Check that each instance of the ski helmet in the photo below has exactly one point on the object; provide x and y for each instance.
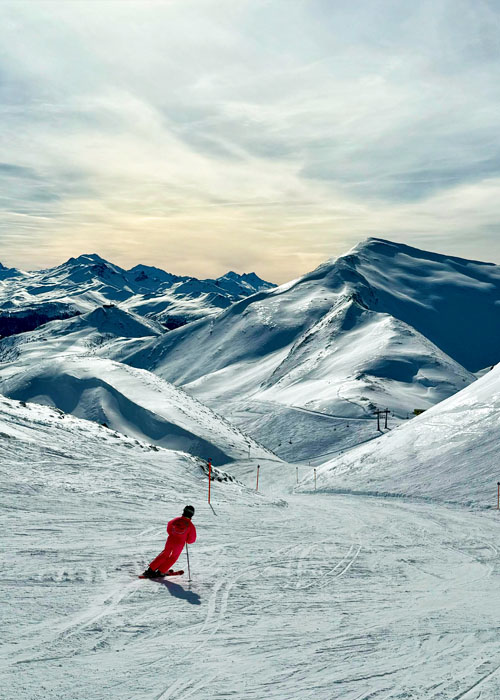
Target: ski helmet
(188, 512)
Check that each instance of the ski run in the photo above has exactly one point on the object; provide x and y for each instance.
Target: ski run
(366, 565)
(293, 595)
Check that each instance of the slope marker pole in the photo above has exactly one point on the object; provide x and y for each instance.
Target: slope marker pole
(315, 478)
(209, 484)
(258, 469)
(297, 469)
(498, 495)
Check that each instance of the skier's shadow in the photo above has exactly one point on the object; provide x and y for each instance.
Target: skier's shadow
(180, 592)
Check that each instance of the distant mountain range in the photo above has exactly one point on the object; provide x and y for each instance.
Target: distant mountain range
(30, 299)
(301, 367)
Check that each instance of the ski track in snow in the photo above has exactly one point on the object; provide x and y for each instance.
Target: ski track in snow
(331, 597)
(335, 597)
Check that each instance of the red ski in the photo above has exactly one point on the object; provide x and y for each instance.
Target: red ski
(169, 573)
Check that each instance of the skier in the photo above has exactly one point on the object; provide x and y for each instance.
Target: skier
(180, 530)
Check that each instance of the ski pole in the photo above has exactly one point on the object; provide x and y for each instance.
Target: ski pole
(189, 568)
(209, 478)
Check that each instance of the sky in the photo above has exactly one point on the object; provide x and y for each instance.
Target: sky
(259, 135)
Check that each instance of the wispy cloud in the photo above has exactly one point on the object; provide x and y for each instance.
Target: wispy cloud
(205, 134)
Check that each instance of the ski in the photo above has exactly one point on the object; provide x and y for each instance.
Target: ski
(169, 573)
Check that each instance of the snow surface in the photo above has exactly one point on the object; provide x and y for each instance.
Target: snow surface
(88, 334)
(134, 402)
(317, 596)
(449, 453)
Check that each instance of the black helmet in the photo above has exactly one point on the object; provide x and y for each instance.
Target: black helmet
(188, 512)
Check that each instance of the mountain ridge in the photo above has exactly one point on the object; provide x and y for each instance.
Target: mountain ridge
(441, 299)
(88, 281)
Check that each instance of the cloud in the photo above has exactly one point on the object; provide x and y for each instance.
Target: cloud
(206, 134)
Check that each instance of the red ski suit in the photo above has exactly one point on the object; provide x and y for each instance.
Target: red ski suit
(180, 530)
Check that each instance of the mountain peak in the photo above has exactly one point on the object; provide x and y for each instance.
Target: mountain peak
(9, 271)
(247, 278)
(389, 248)
(87, 258)
(150, 274)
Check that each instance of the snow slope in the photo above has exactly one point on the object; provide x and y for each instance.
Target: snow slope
(134, 402)
(449, 453)
(369, 359)
(86, 334)
(368, 328)
(181, 300)
(300, 435)
(325, 597)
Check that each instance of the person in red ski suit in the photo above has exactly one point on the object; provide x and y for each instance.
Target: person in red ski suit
(180, 530)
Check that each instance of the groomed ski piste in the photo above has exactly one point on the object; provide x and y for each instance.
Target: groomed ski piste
(293, 595)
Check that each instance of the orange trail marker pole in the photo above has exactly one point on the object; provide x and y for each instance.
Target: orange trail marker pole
(209, 477)
(498, 495)
(258, 468)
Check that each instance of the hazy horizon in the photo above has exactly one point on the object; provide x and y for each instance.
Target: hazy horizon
(187, 273)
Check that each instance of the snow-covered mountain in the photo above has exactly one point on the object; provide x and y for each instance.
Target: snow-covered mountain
(29, 299)
(85, 334)
(8, 272)
(134, 402)
(180, 300)
(384, 325)
(448, 453)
